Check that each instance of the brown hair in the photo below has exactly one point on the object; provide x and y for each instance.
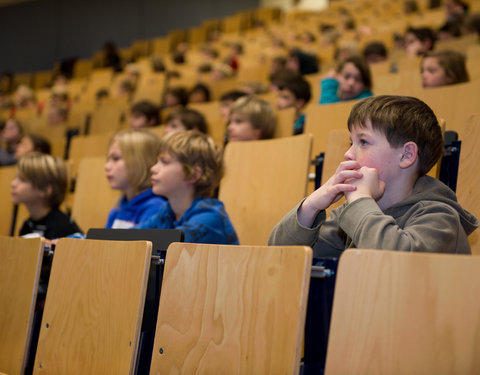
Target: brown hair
(258, 111)
(402, 119)
(195, 149)
(362, 66)
(42, 171)
(453, 63)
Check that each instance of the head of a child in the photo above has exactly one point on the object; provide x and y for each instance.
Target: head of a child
(176, 96)
(408, 125)
(11, 132)
(354, 76)
(131, 154)
(32, 143)
(294, 92)
(144, 114)
(375, 52)
(226, 101)
(251, 118)
(184, 119)
(419, 40)
(199, 93)
(57, 114)
(440, 68)
(189, 160)
(40, 178)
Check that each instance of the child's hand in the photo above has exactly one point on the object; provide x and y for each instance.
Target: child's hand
(330, 192)
(367, 186)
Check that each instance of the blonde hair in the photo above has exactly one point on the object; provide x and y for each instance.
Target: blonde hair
(195, 149)
(44, 171)
(258, 112)
(139, 151)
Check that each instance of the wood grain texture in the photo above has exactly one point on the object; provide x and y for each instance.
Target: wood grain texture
(7, 174)
(232, 310)
(468, 178)
(263, 180)
(405, 313)
(94, 307)
(20, 263)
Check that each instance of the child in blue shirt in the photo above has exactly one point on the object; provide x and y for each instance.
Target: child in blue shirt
(188, 170)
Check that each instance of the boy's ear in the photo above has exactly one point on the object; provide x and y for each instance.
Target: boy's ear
(409, 155)
(197, 173)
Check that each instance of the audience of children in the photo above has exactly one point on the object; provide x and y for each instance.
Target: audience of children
(183, 119)
(131, 154)
(188, 170)
(390, 202)
(295, 93)
(41, 185)
(251, 118)
(440, 68)
(351, 80)
(144, 114)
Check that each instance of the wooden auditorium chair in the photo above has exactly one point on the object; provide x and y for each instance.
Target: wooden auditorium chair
(94, 306)
(405, 313)
(232, 309)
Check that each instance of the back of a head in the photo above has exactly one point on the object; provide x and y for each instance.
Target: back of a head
(402, 119)
(308, 63)
(375, 51)
(232, 95)
(139, 151)
(259, 112)
(196, 150)
(43, 172)
(40, 144)
(453, 63)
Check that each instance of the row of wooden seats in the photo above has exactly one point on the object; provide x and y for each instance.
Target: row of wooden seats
(228, 315)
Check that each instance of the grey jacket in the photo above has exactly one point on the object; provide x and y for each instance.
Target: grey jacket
(428, 220)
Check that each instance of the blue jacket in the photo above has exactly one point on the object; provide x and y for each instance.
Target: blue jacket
(206, 221)
(329, 92)
(129, 213)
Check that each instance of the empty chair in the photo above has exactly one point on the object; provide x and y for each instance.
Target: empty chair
(20, 264)
(263, 180)
(232, 309)
(94, 305)
(405, 313)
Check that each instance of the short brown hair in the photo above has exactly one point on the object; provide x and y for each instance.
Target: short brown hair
(453, 63)
(259, 112)
(139, 151)
(195, 149)
(42, 171)
(190, 118)
(402, 119)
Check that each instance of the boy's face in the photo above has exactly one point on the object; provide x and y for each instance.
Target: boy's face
(241, 129)
(23, 192)
(286, 99)
(168, 177)
(350, 83)
(138, 120)
(371, 149)
(174, 125)
(24, 147)
(115, 169)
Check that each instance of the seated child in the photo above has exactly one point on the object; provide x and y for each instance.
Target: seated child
(419, 40)
(351, 80)
(131, 154)
(295, 92)
(175, 96)
(251, 118)
(200, 93)
(440, 68)
(41, 185)
(390, 202)
(226, 101)
(144, 114)
(32, 143)
(188, 170)
(185, 119)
